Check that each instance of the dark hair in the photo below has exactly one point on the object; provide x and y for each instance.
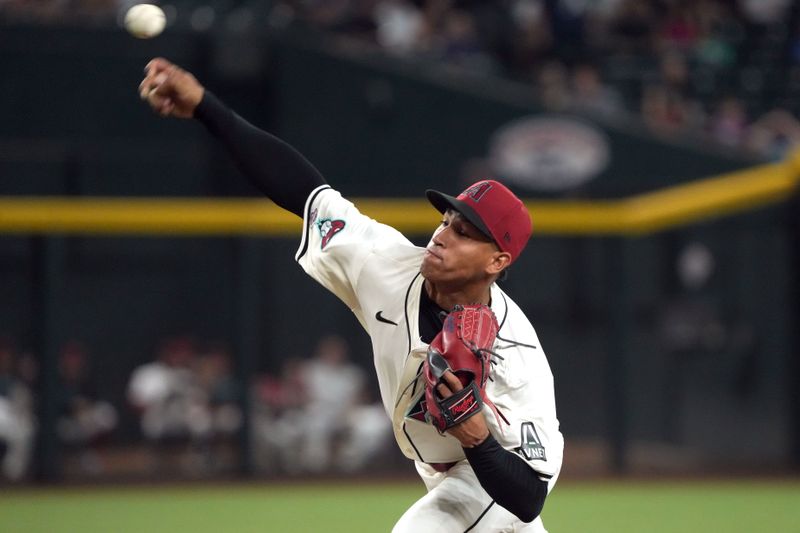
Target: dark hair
(503, 275)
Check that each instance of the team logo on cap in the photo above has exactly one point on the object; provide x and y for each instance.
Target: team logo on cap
(328, 228)
(478, 191)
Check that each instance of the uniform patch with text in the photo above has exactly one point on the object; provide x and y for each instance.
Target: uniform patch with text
(530, 444)
(328, 228)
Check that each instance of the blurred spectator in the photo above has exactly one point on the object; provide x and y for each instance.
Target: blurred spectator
(695, 327)
(765, 11)
(222, 391)
(399, 26)
(333, 385)
(458, 43)
(663, 112)
(84, 419)
(318, 415)
(552, 86)
(533, 38)
(286, 392)
(591, 95)
(366, 432)
(17, 421)
(633, 26)
(728, 124)
(279, 412)
(189, 398)
(774, 134)
(166, 395)
(719, 34)
(674, 73)
(668, 104)
(689, 326)
(680, 30)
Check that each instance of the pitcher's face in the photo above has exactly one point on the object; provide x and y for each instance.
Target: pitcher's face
(458, 252)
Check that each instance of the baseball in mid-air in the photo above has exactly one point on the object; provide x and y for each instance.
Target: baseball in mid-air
(145, 21)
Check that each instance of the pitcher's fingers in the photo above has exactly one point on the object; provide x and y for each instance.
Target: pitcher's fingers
(157, 71)
(155, 83)
(145, 87)
(150, 83)
(166, 108)
(163, 82)
(156, 65)
(156, 101)
(443, 390)
(453, 383)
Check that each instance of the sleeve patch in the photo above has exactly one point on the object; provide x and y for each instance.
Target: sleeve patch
(530, 444)
(328, 228)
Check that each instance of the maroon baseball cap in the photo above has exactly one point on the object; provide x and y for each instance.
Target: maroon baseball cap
(492, 208)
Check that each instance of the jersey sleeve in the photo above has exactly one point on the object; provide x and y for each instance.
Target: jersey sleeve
(527, 400)
(338, 241)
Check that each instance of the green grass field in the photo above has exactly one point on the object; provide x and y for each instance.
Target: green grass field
(586, 507)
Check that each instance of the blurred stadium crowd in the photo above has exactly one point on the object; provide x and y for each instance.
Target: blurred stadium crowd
(725, 70)
(315, 416)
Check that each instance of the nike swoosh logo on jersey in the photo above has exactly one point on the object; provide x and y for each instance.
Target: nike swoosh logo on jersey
(380, 318)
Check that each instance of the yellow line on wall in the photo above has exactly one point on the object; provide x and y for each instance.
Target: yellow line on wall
(152, 216)
(641, 214)
(712, 197)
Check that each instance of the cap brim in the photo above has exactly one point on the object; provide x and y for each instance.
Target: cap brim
(442, 202)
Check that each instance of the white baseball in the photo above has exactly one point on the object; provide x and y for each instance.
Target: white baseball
(145, 21)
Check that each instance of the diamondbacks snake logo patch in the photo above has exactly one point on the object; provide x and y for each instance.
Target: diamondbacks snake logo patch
(328, 228)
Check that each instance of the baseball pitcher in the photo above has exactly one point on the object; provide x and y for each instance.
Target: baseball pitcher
(460, 369)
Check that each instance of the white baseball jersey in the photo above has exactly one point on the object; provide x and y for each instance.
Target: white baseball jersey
(374, 269)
